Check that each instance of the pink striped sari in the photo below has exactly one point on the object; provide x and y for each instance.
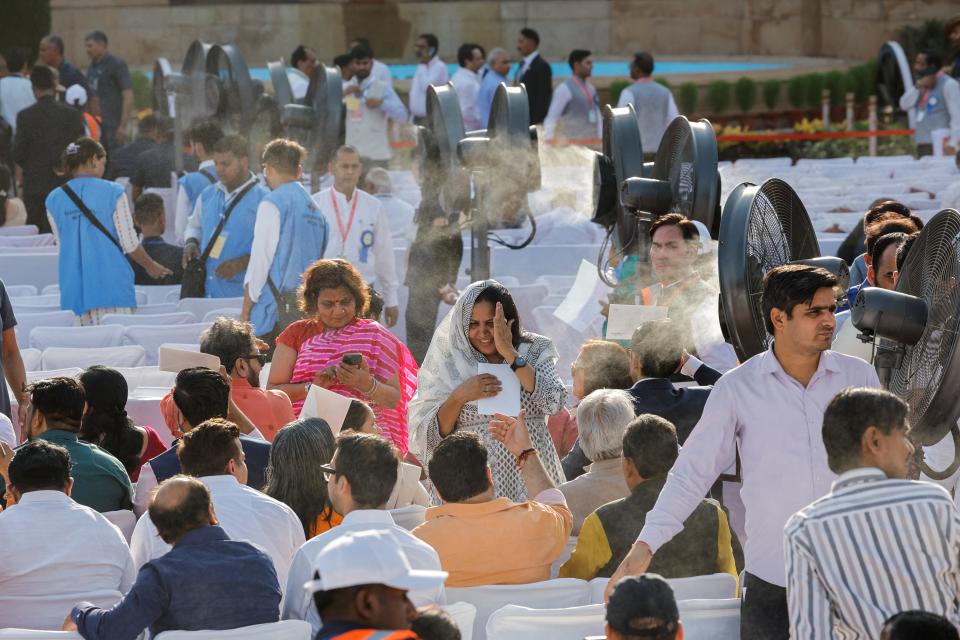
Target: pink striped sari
(385, 355)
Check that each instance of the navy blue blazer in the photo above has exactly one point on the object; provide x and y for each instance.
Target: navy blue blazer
(167, 464)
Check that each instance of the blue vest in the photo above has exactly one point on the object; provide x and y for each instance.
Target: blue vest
(302, 241)
(195, 182)
(257, 452)
(94, 273)
(237, 235)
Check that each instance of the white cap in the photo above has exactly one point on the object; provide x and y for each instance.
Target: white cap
(76, 95)
(369, 557)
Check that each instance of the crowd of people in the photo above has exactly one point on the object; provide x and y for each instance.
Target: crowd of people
(793, 471)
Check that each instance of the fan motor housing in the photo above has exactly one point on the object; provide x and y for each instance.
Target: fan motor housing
(889, 314)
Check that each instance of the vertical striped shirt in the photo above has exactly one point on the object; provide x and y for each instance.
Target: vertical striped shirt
(871, 548)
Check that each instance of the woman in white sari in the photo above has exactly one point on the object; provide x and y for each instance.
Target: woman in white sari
(484, 326)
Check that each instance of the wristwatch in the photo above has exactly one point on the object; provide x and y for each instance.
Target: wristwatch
(518, 363)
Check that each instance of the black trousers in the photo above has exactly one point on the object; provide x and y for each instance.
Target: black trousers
(36, 205)
(763, 610)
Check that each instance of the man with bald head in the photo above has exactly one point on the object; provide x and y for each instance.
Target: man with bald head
(206, 581)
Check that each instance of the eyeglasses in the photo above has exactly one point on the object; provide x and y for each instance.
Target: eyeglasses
(328, 472)
(259, 357)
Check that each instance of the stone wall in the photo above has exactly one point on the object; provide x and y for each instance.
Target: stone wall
(142, 30)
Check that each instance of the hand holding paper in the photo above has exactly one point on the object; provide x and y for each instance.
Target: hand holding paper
(507, 401)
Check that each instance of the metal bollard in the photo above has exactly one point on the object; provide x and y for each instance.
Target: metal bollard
(872, 124)
(825, 108)
(849, 111)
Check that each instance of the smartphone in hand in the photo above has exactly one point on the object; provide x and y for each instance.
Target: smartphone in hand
(352, 359)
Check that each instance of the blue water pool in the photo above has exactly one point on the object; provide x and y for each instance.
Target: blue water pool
(601, 68)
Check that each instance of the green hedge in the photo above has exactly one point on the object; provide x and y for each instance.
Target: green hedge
(771, 93)
(746, 93)
(142, 90)
(797, 91)
(688, 94)
(719, 94)
(815, 86)
(837, 84)
(616, 88)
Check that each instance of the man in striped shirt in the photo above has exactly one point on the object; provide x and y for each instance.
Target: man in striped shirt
(877, 544)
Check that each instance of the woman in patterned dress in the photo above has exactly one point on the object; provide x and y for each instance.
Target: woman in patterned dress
(484, 326)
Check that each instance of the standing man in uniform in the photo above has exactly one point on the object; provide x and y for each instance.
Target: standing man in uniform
(290, 234)
(239, 194)
(359, 231)
(467, 83)
(936, 101)
(112, 98)
(431, 71)
(369, 103)
(770, 409)
(575, 106)
(652, 101)
(203, 137)
(535, 74)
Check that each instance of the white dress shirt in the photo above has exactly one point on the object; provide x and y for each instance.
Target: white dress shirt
(299, 83)
(185, 208)
(558, 102)
(57, 553)
(399, 214)
(298, 602)
(527, 61)
(432, 73)
(871, 548)
(245, 514)
(467, 84)
(16, 94)
(951, 96)
(380, 267)
(775, 423)
(381, 72)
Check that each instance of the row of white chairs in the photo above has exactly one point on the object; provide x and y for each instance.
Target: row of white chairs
(111, 336)
(282, 630)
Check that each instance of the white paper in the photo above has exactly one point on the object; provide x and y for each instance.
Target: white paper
(507, 401)
(176, 360)
(582, 304)
(326, 404)
(624, 319)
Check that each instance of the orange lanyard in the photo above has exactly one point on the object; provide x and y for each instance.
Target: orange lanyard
(583, 90)
(353, 211)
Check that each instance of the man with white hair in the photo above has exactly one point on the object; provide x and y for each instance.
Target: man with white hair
(601, 417)
(498, 61)
(399, 213)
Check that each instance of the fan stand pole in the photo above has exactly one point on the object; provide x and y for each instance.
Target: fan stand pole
(479, 235)
(177, 135)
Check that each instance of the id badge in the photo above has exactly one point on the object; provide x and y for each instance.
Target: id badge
(218, 245)
(353, 107)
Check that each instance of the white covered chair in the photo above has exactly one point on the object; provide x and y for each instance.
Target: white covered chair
(150, 337)
(202, 306)
(157, 293)
(124, 520)
(34, 634)
(31, 358)
(513, 622)
(20, 230)
(147, 377)
(132, 319)
(283, 630)
(27, 321)
(562, 592)
(50, 289)
(228, 312)
(157, 309)
(99, 336)
(408, 517)
(68, 372)
(710, 619)
(20, 290)
(38, 267)
(36, 240)
(463, 613)
(714, 586)
(43, 299)
(125, 356)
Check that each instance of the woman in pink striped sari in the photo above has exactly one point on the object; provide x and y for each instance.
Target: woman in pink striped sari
(311, 351)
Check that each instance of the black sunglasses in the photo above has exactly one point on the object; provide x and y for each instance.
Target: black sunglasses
(259, 357)
(328, 471)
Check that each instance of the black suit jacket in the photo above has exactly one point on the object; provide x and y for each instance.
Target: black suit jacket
(44, 130)
(257, 453)
(538, 79)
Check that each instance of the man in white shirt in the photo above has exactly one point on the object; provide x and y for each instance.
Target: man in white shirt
(935, 99)
(431, 71)
(360, 477)
(380, 70)
(575, 106)
(16, 92)
(55, 551)
(212, 453)
(467, 83)
(877, 544)
(203, 137)
(303, 61)
(399, 212)
(770, 409)
(369, 103)
(652, 101)
(359, 231)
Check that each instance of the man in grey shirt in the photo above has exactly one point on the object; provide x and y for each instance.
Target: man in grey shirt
(653, 102)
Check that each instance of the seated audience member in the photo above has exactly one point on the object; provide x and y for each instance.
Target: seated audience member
(148, 215)
(602, 417)
(909, 531)
(359, 480)
(206, 581)
(212, 453)
(54, 414)
(885, 223)
(294, 476)
(918, 625)
(399, 212)
(55, 550)
(233, 342)
(853, 248)
(123, 158)
(643, 607)
(703, 547)
(435, 624)
(105, 422)
(470, 528)
(12, 210)
(408, 490)
(200, 395)
(154, 168)
(601, 364)
(361, 584)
